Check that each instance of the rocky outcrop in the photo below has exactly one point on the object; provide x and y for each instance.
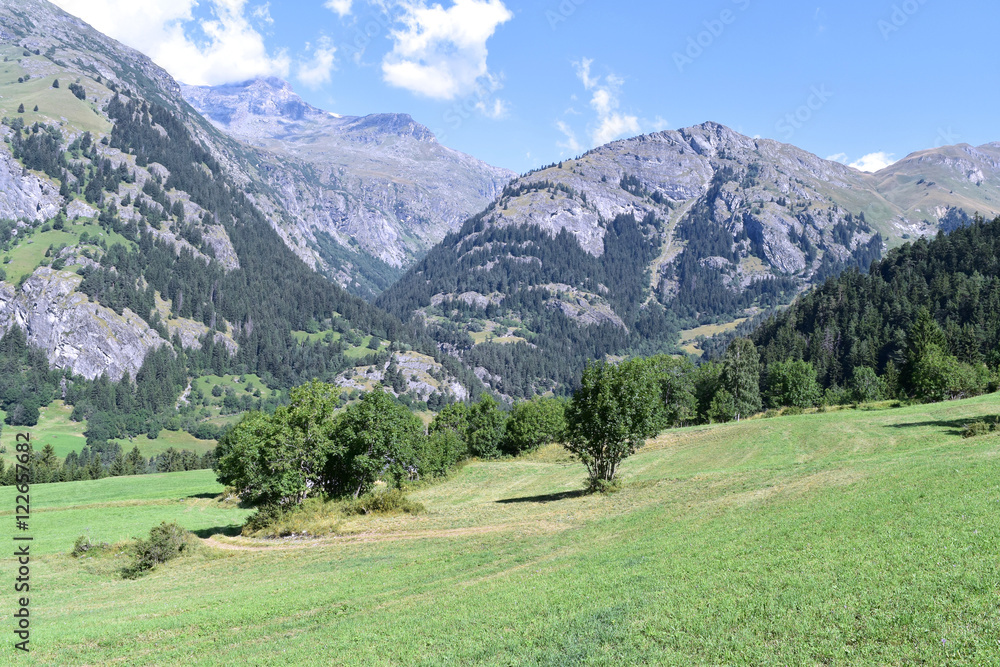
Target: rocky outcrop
(422, 374)
(77, 334)
(24, 195)
(380, 184)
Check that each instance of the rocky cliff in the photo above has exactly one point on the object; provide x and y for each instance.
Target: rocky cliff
(380, 185)
(76, 333)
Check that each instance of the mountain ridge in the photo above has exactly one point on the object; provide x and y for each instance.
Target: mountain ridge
(379, 185)
(717, 225)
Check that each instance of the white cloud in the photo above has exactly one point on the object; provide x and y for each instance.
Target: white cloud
(441, 53)
(614, 126)
(231, 49)
(342, 7)
(263, 13)
(838, 157)
(606, 99)
(571, 144)
(496, 109)
(318, 70)
(583, 72)
(874, 162)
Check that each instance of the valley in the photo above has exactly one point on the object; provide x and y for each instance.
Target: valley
(308, 386)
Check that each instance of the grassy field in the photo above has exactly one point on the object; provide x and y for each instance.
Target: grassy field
(55, 428)
(57, 105)
(29, 252)
(849, 537)
(205, 383)
(688, 338)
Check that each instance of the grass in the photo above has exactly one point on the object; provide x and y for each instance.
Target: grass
(29, 252)
(115, 509)
(165, 440)
(848, 537)
(57, 105)
(54, 427)
(302, 336)
(361, 351)
(689, 337)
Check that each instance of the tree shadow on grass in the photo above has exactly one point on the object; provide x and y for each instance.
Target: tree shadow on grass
(205, 496)
(955, 426)
(232, 530)
(547, 498)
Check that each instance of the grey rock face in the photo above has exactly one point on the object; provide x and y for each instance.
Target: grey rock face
(380, 184)
(77, 334)
(23, 194)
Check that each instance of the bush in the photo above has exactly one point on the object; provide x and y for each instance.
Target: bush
(439, 452)
(83, 545)
(976, 429)
(265, 516)
(166, 542)
(792, 410)
(391, 501)
(605, 487)
(534, 423)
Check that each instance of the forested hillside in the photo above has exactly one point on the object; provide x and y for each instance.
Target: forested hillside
(943, 291)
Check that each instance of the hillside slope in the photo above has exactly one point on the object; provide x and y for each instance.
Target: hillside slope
(139, 222)
(854, 536)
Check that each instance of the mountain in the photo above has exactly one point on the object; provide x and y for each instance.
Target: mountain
(617, 250)
(131, 230)
(369, 195)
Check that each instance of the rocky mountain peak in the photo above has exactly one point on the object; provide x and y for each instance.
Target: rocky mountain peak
(241, 105)
(378, 186)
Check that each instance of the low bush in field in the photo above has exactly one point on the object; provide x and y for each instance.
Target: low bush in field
(84, 545)
(978, 428)
(317, 516)
(166, 542)
(392, 501)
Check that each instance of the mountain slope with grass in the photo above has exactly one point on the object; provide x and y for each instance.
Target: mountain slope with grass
(143, 253)
(847, 536)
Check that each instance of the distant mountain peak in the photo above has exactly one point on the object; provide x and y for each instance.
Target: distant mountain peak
(239, 103)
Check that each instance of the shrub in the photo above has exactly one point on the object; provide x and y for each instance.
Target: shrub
(83, 545)
(606, 487)
(534, 423)
(391, 501)
(978, 428)
(266, 515)
(166, 542)
(792, 410)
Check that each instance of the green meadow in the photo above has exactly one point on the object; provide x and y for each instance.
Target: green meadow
(844, 537)
(57, 429)
(57, 105)
(28, 253)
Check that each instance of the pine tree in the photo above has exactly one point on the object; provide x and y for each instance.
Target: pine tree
(741, 377)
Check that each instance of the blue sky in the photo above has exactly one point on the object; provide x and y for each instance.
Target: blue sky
(522, 84)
